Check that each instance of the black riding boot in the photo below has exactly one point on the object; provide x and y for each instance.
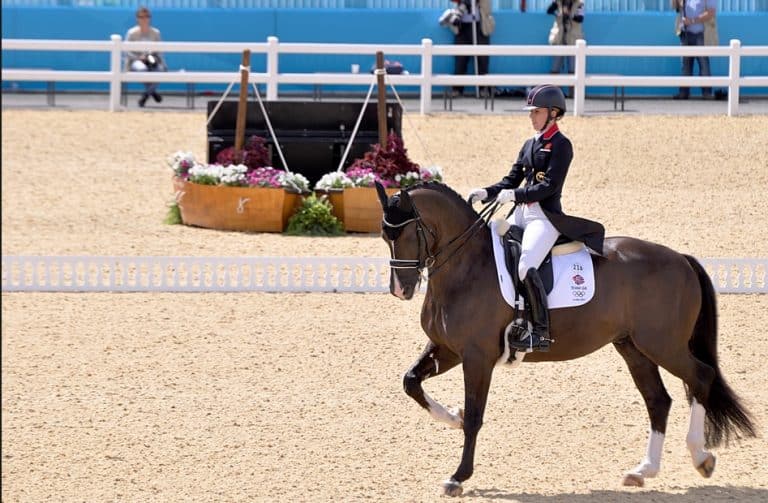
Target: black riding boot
(538, 339)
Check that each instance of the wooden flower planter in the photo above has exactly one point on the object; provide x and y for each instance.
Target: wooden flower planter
(252, 209)
(362, 209)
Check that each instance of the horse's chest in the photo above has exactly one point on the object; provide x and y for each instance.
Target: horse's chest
(442, 323)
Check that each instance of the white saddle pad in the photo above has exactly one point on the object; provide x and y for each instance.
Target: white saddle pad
(573, 274)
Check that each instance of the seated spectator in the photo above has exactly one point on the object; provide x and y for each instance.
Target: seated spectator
(138, 61)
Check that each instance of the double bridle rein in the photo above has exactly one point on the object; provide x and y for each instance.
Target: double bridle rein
(429, 258)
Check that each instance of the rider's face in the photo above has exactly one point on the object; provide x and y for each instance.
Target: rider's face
(538, 118)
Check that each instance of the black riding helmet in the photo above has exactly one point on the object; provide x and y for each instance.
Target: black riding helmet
(546, 96)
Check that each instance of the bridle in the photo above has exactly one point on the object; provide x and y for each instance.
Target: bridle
(429, 258)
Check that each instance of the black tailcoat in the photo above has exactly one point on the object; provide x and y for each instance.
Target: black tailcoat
(543, 163)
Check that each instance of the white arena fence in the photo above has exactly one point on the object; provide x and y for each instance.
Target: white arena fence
(264, 274)
(272, 78)
(497, 5)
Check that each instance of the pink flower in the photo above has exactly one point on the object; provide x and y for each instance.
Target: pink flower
(265, 177)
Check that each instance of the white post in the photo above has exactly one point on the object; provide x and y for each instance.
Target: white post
(579, 90)
(475, 20)
(115, 68)
(426, 76)
(273, 52)
(734, 74)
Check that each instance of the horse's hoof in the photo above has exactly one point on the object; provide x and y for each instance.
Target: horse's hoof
(452, 488)
(707, 466)
(633, 480)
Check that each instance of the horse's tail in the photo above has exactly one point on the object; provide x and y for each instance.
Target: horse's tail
(726, 417)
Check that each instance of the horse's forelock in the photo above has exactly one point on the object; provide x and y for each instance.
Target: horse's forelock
(395, 214)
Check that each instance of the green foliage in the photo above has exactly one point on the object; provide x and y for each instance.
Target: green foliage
(174, 215)
(314, 218)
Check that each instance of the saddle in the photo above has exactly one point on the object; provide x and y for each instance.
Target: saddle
(513, 238)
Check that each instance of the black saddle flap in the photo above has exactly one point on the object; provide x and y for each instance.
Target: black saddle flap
(512, 251)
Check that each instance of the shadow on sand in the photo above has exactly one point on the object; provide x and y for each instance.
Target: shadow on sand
(709, 494)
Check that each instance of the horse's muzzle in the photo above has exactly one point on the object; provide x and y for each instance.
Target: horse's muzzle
(403, 290)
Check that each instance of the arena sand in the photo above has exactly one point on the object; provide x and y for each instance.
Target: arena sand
(298, 397)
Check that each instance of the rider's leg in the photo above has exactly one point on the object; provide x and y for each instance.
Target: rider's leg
(538, 338)
(539, 237)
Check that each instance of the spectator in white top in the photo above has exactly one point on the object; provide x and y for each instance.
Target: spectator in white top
(139, 61)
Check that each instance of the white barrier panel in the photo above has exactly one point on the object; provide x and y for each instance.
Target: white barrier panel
(263, 274)
(193, 274)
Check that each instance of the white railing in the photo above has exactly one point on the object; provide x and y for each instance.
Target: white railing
(115, 76)
(497, 5)
(264, 274)
(193, 274)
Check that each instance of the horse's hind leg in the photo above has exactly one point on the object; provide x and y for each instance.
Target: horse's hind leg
(703, 460)
(434, 360)
(698, 378)
(645, 373)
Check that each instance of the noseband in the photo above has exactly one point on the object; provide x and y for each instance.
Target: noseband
(419, 264)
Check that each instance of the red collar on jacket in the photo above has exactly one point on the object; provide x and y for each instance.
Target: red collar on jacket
(550, 132)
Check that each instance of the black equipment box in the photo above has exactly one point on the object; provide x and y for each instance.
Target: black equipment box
(312, 134)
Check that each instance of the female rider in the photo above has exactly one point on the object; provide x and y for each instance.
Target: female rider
(543, 163)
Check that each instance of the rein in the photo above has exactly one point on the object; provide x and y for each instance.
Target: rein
(430, 259)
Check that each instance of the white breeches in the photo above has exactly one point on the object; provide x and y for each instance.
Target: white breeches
(539, 236)
(139, 66)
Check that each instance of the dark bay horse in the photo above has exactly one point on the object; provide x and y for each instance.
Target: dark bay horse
(656, 306)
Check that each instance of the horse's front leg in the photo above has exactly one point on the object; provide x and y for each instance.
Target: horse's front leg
(434, 360)
(477, 381)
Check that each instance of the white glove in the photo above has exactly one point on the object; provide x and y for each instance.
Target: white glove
(506, 196)
(477, 195)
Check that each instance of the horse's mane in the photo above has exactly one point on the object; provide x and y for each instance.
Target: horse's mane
(444, 189)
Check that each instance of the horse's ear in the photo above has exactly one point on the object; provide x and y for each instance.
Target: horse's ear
(383, 197)
(406, 203)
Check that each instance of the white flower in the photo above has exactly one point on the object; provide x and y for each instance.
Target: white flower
(334, 180)
(366, 180)
(180, 160)
(295, 181)
(233, 174)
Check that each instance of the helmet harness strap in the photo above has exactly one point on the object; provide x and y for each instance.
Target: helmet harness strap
(550, 119)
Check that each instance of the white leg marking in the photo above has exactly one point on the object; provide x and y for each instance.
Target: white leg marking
(651, 463)
(695, 437)
(439, 413)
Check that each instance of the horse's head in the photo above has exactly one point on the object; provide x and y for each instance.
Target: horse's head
(415, 222)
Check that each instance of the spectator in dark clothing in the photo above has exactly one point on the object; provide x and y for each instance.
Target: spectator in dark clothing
(470, 28)
(566, 30)
(692, 16)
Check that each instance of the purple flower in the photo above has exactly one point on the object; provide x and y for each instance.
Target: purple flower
(265, 177)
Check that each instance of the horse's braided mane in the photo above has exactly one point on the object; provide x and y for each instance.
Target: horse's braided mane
(449, 192)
